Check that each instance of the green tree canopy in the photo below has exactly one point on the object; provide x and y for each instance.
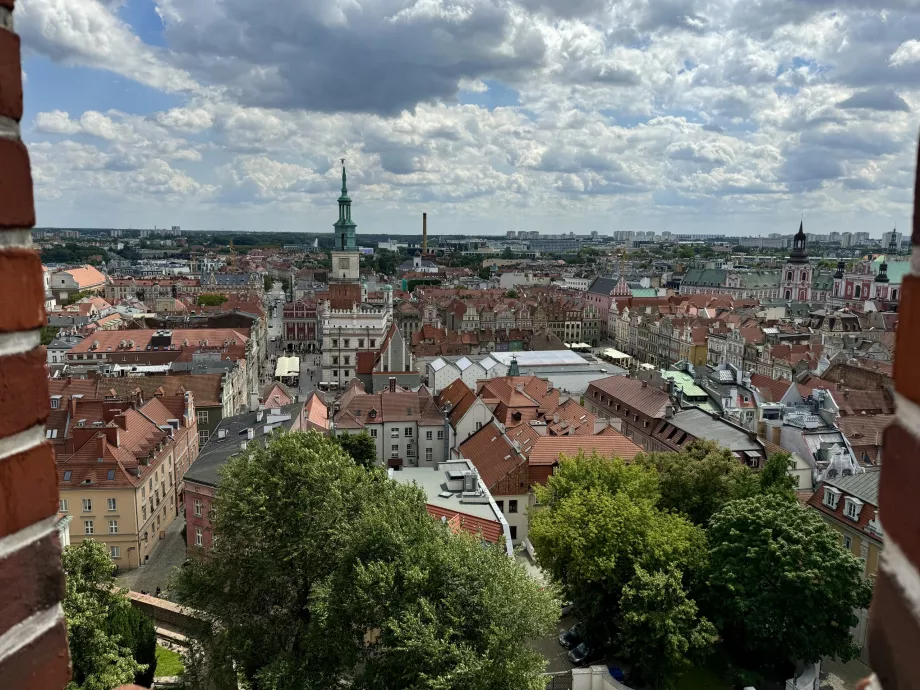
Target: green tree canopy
(598, 524)
(100, 659)
(326, 574)
(782, 587)
(213, 299)
(700, 480)
(360, 447)
(661, 629)
(775, 478)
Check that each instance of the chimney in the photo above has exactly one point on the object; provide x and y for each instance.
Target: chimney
(424, 233)
(645, 384)
(250, 433)
(120, 420)
(392, 384)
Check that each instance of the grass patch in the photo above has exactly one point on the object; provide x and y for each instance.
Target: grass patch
(169, 663)
(702, 679)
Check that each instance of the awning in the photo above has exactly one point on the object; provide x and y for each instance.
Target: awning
(287, 366)
(611, 353)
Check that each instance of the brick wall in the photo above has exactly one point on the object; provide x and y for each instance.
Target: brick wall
(33, 643)
(894, 634)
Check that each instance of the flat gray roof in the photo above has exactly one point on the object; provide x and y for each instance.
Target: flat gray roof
(434, 482)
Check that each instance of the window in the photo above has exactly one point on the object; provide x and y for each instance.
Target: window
(407, 432)
(199, 537)
(512, 506)
(394, 432)
(410, 451)
(347, 359)
(513, 530)
(501, 506)
(62, 505)
(87, 505)
(197, 508)
(55, 401)
(478, 426)
(428, 435)
(347, 373)
(429, 454)
(394, 451)
(110, 503)
(347, 341)
(335, 360)
(440, 434)
(203, 436)
(373, 433)
(373, 343)
(847, 541)
(144, 513)
(113, 526)
(87, 527)
(67, 474)
(335, 342)
(335, 372)
(110, 475)
(115, 551)
(202, 416)
(360, 342)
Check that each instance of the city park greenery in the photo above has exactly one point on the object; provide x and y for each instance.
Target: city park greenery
(325, 573)
(211, 299)
(679, 555)
(111, 642)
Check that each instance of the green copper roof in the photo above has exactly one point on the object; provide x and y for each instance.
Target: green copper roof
(896, 269)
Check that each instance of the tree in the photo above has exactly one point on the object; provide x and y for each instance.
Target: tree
(360, 447)
(49, 333)
(781, 585)
(700, 480)
(100, 659)
(267, 283)
(485, 273)
(511, 294)
(775, 478)
(507, 253)
(327, 573)
(599, 522)
(661, 629)
(211, 299)
(136, 632)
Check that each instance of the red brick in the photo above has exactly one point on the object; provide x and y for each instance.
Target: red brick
(17, 208)
(10, 76)
(23, 391)
(21, 275)
(915, 238)
(28, 489)
(45, 663)
(906, 372)
(894, 638)
(898, 486)
(32, 580)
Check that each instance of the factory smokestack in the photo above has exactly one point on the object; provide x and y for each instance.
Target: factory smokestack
(424, 233)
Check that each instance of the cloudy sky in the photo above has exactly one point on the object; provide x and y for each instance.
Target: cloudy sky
(736, 116)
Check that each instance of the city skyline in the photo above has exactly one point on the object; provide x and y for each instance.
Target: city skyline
(516, 115)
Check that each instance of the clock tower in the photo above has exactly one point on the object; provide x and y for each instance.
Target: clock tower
(344, 275)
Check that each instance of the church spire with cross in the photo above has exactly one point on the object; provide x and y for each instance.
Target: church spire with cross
(345, 226)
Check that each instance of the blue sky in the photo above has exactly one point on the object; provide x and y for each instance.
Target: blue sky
(491, 115)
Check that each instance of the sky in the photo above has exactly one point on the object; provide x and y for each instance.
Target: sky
(727, 116)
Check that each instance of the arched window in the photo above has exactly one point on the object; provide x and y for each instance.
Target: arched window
(894, 293)
(836, 289)
(788, 294)
(804, 275)
(789, 275)
(858, 290)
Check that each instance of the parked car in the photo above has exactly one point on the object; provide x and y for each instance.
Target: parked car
(565, 610)
(583, 654)
(573, 636)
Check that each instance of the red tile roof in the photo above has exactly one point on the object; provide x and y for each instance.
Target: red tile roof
(547, 449)
(492, 453)
(489, 530)
(632, 393)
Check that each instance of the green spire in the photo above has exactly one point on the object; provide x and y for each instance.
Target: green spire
(345, 226)
(513, 370)
(344, 188)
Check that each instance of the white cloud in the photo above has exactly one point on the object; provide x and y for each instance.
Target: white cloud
(655, 114)
(907, 52)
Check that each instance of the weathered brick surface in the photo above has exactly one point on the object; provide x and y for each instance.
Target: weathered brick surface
(906, 371)
(898, 488)
(21, 280)
(23, 391)
(29, 585)
(42, 665)
(10, 76)
(17, 209)
(28, 489)
(894, 638)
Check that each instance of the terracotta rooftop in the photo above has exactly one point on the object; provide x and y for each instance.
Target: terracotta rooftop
(547, 449)
(632, 393)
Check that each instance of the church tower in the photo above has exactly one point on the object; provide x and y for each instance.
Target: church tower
(795, 283)
(344, 275)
